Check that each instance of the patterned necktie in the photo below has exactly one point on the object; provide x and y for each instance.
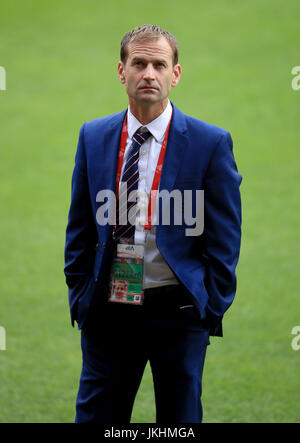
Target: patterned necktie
(129, 182)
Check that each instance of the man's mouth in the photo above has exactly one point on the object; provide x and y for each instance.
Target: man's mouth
(148, 88)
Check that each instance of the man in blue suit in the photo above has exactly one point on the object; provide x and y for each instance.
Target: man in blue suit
(182, 283)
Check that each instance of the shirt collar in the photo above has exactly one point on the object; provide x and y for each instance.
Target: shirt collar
(157, 127)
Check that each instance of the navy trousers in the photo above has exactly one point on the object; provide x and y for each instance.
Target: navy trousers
(118, 341)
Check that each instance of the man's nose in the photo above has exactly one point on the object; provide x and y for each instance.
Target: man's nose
(149, 72)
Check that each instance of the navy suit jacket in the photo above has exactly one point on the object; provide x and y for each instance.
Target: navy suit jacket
(198, 156)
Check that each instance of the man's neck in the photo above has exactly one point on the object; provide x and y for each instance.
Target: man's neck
(145, 113)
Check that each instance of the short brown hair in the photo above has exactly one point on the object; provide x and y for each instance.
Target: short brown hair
(148, 32)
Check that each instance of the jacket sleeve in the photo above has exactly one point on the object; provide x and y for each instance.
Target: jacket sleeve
(222, 229)
(81, 232)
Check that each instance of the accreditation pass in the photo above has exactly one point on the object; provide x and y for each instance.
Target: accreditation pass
(126, 283)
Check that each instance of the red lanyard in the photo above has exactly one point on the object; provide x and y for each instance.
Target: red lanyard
(158, 170)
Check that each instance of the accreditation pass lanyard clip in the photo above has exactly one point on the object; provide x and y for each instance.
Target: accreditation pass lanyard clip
(157, 173)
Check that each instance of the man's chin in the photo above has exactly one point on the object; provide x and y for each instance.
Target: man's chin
(148, 97)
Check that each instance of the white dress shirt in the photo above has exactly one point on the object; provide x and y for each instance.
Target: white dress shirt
(156, 270)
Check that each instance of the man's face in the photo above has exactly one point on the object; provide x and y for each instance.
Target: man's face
(149, 72)
(119, 289)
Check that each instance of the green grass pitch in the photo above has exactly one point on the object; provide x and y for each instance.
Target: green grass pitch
(60, 59)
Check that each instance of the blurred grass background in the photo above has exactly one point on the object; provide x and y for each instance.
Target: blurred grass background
(60, 59)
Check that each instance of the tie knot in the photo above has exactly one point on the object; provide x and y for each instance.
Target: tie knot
(141, 135)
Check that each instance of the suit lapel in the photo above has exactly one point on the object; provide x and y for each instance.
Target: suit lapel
(177, 143)
(104, 162)
(111, 149)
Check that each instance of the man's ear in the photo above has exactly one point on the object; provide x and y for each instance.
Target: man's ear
(121, 72)
(176, 75)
